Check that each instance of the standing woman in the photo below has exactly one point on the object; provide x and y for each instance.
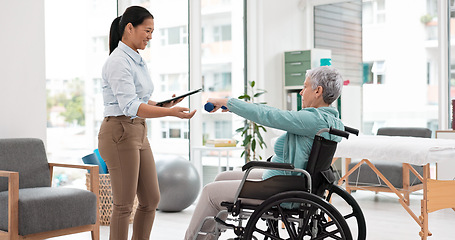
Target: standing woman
(122, 140)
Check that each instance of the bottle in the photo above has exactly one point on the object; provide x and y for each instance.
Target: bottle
(326, 62)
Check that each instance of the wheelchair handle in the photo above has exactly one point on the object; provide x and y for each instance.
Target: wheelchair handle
(339, 132)
(351, 130)
(333, 131)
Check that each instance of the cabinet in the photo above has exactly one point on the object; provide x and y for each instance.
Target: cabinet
(296, 63)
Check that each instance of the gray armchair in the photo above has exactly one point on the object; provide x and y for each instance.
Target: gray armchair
(398, 174)
(30, 208)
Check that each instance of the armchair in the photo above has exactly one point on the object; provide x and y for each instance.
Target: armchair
(364, 178)
(30, 208)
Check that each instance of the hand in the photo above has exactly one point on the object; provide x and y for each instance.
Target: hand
(218, 103)
(182, 112)
(173, 103)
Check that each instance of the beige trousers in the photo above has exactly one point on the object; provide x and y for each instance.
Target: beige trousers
(123, 145)
(222, 189)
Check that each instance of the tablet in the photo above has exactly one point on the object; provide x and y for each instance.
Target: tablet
(181, 96)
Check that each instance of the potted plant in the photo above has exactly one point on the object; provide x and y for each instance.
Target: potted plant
(251, 132)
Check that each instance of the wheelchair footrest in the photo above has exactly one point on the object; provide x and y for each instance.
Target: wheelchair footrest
(238, 230)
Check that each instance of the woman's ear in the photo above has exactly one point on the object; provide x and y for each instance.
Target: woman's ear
(319, 90)
(129, 28)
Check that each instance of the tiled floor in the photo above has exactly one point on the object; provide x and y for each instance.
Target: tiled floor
(386, 219)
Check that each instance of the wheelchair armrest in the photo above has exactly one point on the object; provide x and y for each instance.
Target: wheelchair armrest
(267, 165)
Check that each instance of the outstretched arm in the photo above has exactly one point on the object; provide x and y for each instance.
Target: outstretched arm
(153, 111)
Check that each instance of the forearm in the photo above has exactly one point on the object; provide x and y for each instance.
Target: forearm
(254, 112)
(153, 111)
(290, 121)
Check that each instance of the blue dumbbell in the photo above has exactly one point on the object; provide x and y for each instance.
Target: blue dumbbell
(209, 107)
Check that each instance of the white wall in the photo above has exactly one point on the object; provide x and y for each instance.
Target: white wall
(273, 28)
(22, 68)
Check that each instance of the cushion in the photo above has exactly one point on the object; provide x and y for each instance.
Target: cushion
(28, 157)
(50, 208)
(405, 132)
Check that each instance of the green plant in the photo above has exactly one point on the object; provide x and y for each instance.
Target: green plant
(251, 132)
(425, 19)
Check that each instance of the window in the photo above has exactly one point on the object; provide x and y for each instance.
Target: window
(174, 129)
(222, 33)
(390, 69)
(374, 11)
(73, 74)
(167, 60)
(174, 82)
(378, 72)
(220, 22)
(221, 82)
(76, 84)
(174, 35)
(395, 89)
(223, 129)
(100, 44)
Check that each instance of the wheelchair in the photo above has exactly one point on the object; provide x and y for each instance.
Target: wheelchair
(295, 206)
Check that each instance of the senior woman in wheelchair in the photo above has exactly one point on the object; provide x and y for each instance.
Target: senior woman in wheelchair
(321, 88)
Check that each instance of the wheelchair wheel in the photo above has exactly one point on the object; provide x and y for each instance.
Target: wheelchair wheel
(310, 217)
(352, 213)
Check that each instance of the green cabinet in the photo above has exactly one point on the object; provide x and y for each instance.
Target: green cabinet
(296, 64)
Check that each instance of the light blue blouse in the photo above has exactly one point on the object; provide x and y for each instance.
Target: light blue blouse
(126, 82)
(300, 126)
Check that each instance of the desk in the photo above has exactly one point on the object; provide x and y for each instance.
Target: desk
(197, 160)
(437, 194)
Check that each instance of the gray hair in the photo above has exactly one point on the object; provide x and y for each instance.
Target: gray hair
(329, 79)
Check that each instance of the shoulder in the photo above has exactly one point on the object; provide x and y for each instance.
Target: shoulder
(324, 111)
(118, 57)
(117, 61)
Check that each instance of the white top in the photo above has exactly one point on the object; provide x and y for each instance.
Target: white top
(413, 150)
(126, 82)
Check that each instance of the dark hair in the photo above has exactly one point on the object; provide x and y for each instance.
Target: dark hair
(134, 15)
